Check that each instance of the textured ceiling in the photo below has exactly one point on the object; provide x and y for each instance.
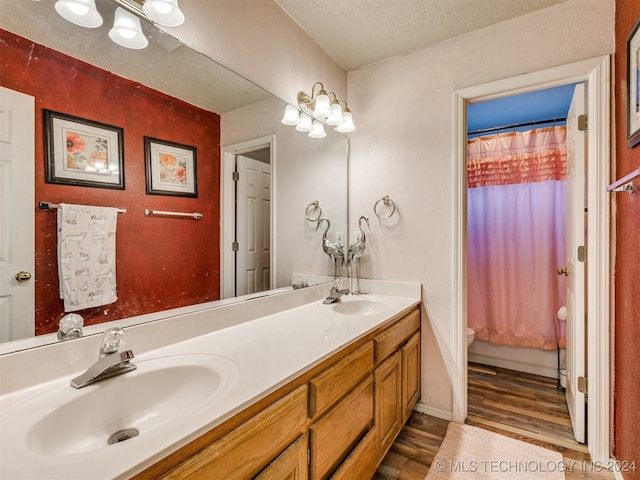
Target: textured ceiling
(359, 32)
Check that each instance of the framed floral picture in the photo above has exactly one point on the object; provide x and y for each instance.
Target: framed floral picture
(82, 152)
(633, 86)
(171, 168)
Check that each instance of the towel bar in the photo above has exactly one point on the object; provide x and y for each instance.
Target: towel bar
(625, 184)
(51, 206)
(195, 215)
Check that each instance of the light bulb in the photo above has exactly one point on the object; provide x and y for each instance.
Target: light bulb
(127, 31)
(164, 12)
(317, 130)
(305, 123)
(346, 126)
(323, 107)
(291, 115)
(336, 117)
(80, 12)
(78, 8)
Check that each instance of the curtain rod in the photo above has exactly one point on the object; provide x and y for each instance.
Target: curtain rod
(526, 124)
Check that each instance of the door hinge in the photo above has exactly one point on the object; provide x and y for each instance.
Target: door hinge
(308, 456)
(236, 176)
(582, 385)
(235, 246)
(583, 121)
(582, 253)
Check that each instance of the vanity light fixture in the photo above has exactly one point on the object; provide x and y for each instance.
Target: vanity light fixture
(81, 12)
(126, 30)
(317, 110)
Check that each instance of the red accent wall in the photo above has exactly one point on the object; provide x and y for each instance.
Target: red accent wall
(627, 266)
(162, 262)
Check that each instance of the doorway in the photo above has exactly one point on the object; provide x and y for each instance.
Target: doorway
(518, 221)
(17, 220)
(247, 263)
(595, 74)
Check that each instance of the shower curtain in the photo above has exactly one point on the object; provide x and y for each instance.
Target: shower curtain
(516, 237)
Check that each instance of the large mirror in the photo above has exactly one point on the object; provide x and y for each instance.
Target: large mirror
(167, 263)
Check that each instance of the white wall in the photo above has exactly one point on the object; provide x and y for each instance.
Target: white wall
(403, 147)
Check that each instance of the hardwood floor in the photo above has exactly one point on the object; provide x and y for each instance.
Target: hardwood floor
(519, 405)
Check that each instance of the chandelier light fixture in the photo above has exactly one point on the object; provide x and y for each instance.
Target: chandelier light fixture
(127, 30)
(317, 110)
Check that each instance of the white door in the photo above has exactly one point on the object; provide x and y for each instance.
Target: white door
(17, 252)
(253, 225)
(576, 237)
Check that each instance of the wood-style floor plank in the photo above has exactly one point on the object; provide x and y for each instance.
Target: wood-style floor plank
(519, 405)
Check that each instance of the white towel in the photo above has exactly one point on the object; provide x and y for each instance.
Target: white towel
(86, 256)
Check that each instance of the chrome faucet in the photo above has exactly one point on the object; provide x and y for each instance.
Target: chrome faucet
(335, 295)
(111, 361)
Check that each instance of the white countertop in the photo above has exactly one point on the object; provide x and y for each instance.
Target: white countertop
(268, 352)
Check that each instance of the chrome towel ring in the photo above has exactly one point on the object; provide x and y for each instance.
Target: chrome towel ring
(388, 203)
(311, 208)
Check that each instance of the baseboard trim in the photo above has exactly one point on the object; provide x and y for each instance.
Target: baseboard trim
(516, 365)
(433, 411)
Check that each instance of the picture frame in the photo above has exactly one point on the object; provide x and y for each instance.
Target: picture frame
(171, 168)
(633, 86)
(82, 152)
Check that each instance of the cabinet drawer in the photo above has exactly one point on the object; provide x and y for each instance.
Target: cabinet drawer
(335, 434)
(363, 460)
(332, 384)
(393, 337)
(291, 464)
(243, 452)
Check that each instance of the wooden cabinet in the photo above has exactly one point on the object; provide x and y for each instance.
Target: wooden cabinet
(410, 374)
(335, 434)
(243, 452)
(396, 335)
(388, 400)
(336, 420)
(291, 464)
(333, 383)
(397, 376)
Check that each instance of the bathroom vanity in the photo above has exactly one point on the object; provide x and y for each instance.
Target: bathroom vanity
(309, 391)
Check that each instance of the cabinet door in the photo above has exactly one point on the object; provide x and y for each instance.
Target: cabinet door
(291, 464)
(410, 375)
(388, 400)
(336, 433)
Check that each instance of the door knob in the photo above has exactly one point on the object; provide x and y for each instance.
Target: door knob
(562, 271)
(23, 276)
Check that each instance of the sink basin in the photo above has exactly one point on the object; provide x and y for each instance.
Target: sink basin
(130, 407)
(360, 306)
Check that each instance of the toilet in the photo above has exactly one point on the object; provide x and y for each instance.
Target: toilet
(470, 336)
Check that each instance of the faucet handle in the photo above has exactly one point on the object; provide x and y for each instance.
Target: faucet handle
(113, 340)
(70, 326)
